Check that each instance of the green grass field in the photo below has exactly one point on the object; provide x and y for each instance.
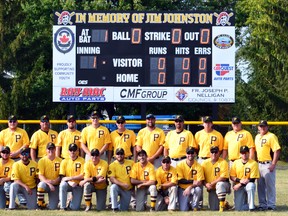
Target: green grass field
(282, 201)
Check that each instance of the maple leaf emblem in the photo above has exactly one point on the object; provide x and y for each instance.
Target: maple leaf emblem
(64, 39)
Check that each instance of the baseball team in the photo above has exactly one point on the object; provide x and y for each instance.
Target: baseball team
(173, 169)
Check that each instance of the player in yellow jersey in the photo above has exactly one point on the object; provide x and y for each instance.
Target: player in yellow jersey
(265, 143)
(143, 177)
(151, 139)
(48, 174)
(5, 176)
(95, 136)
(166, 177)
(95, 180)
(236, 138)
(71, 173)
(177, 141)
(24, 174)
(119, 175)
(123, 138)
(206, 138)
(41, 137)
(68, 136)
(216, 179)
(244, 173)
(14, 137)
(190, 181)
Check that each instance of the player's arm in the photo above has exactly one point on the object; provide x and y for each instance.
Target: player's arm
(33, 154)
(252, 153)
(5, 179)
(110, 153)
(136, 181)
(58, 151)
(85, 149)
(104, 148)
(117, 182)
(18, 181)
(224, 154)
(275, 160)
(158, 152)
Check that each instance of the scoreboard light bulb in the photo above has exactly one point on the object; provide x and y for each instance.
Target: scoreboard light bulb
(103, 62)
(103, 77)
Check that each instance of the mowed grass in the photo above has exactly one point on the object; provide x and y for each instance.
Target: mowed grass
(282, 201)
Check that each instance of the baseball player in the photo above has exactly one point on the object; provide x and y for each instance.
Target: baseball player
(14, 137)
(177, 141)
(206, 138)
(151, 139)
(243, 173)
(48, 174)
(190, 178)
(216, 179)
(95, 181)
(166, 177)
(5, 176)
(143, 177)
(24, 174)
(41, 137)
(123, 138)
(119, 175)
(95, 136)
(71, 173)
(266, 142)
(65, 137)
(236, 138)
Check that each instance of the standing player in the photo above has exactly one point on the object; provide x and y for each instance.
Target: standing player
(266, 142)
(166, 177)
(243, 173)
(177, 141)
(14, 137)
(24, 174)
(48, 174)
(118, 174)
(123, 138)
(5, 176)
(236, 138)
(71, 172)
(95, 136)
(95, 181)
(143, 177)
(41, 137)
(190, 178)
(151, 139)
(216, 179)
(65, 137)
(206, 138)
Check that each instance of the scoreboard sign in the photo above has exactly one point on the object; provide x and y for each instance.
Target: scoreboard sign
(113, 56)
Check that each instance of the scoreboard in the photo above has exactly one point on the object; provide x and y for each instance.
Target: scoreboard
(112, 56)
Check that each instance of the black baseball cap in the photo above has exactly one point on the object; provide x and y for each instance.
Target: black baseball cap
(236, 120)
(12, 117)
(244, 149)
(119, 151)
(190, 150)
(5, 149)
(95, 114)
(95, 152)
(120, 119)
(166, 159)
(73, 147)
(142, 152)
(214, 149)
(50, 145)
(179, 118)
(71, 118)
(207, 119)
(263, 123)
(44, 118)
(150, 116)
(25, 150)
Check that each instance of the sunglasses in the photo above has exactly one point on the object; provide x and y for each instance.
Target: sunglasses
(119, 153)
(120, 122)
(190, 153)
(214, 152)
(177, 121)
(45, 121)
(72, 150)
(5, 152)
(94, 155)
(165, 162)
(25, 154)
(12, 121)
